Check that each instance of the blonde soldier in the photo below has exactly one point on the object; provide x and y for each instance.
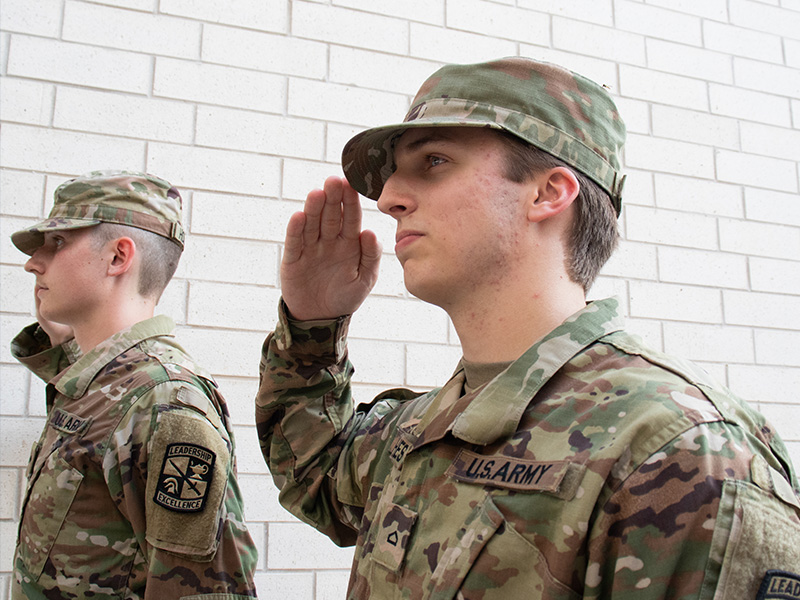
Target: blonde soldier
(564, 459)
(132, 488)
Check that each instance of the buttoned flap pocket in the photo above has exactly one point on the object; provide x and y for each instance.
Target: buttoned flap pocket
(394, 527)
(755, 546)
(49, 500)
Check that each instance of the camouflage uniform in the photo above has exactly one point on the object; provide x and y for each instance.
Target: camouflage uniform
(99, 519)
(592, 467)
(132, 489)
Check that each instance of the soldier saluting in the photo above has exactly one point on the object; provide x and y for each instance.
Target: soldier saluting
(132, 487)
(564, 459)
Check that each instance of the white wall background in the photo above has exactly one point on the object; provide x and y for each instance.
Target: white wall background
(246, 104)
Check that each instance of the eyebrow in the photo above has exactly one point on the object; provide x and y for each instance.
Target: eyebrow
(436, 136)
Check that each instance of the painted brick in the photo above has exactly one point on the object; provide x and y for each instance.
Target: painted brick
(297, 586)
(228, 306)
(658, 226)
(297, 546)
(254, 132)
(16, 289)
(173, 300)
(785, 417)
(759, 239)
(796, 113)
(144, 5)
(338, 134)
(489, 18)
(762, 310)
(302, 176)
(741, 41)
(8, 251)
(712, 9)
(51, 60)
(698, 195)
(777, 347)
(344, 26)
(597, 41)
(377, 362)
(657, 22)
(390, 278)
(688, 61)
(780, 276)
(594, 11)
(126, 116)
(633, 261)
(638, 189)
(22, 193)
(251, 14)
(215, 170)
(636, 115)
(399, 320)
(56, 151)
(9, 493)
(41, 18)
(671, 156)
(422, 11)
(264, 51)
(749, 169)
(229, 260)
(332, 585)
(8, 533)
(431, 365)
(128, 30)
(715, 343)
(762, 76)
(717, 269)
(771, 141)
(385, 72)
(19, 435)
(242, 348)
(15, 390)
(241, 216)
(672, 302)
(446, 45)
(792, 53)
(27, 101)
(765, 205)
(239, 394)
(749, 105)
(756, 15)
(36, 404)
(214, 84)
(665, 88)
(248, 453)
(693, 126)
(328, 101)
(261, 498)
(767, 385)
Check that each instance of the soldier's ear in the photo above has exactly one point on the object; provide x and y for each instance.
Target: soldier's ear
(552, 192)
(121, 255)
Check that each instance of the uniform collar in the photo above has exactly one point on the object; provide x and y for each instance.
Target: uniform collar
(74, 381)
(494, 412)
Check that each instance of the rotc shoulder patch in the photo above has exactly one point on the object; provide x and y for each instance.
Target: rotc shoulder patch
(185, 478)
(781, 585)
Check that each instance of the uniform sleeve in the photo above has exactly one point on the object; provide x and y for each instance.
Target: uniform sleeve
(171, 472)
(32, 348)
(711, 512)
(319, 448)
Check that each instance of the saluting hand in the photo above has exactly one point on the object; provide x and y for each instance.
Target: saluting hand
(57, 332)
(329, 265)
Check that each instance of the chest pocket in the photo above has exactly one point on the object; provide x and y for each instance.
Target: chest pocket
(47, 504)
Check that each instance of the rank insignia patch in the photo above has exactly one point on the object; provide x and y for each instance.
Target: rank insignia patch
(185, 478)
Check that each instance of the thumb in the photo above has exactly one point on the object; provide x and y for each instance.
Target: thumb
(370, 255)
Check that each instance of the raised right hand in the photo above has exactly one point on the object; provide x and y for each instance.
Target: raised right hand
(57, 332)
(329, 265)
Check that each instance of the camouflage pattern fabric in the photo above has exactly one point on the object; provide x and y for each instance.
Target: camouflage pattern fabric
(592, 467)
(132, 489)
(122, 197)
(556, 110)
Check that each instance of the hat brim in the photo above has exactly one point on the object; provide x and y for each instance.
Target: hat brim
(29, 239)
(368, 158)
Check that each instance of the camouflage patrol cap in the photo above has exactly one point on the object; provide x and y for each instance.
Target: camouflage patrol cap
(556, 110)
(122, 197)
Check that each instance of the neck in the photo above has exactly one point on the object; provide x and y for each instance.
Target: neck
(117, 317)
(502, 326)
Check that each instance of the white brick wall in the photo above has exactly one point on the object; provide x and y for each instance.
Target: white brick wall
(246, 105)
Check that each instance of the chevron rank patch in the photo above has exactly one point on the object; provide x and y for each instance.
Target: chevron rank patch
(185, 478)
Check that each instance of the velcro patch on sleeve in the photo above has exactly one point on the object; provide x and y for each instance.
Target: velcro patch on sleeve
(779, 585)
(185, 478)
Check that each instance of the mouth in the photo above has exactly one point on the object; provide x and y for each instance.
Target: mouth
(405, 238)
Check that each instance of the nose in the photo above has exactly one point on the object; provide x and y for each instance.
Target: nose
(34, 264)
(395, 199)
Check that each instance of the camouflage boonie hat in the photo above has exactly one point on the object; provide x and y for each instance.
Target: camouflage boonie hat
(122, 197)
(556, 110)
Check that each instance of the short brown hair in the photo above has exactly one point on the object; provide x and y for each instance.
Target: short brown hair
(159, 256)
(594, 235)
